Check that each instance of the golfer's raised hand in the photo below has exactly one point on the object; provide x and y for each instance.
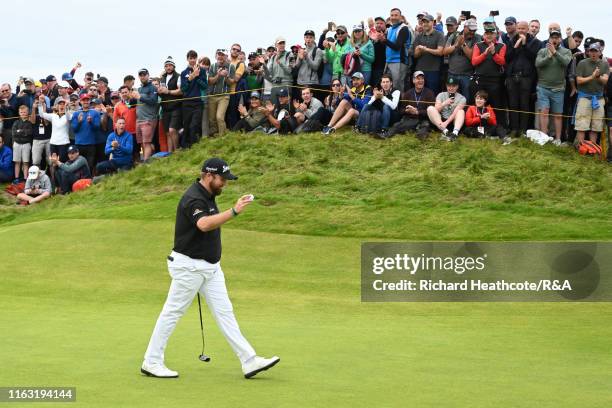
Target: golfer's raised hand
(242, 202)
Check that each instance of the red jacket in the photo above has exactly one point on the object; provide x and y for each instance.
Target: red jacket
(129, 114)
(472, 117)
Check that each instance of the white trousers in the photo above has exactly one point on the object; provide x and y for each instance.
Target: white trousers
(188, 277)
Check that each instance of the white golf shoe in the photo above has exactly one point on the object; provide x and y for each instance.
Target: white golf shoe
(257, 364)
(157, 370)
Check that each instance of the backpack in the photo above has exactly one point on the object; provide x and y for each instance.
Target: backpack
(588, 148)
(372, 120)
(296, 70)
(350, 64)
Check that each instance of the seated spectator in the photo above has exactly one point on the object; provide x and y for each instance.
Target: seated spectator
(551, 63)
(591, 76)
(6, 162)
(37, 187)
(119, 144)
(22, 142)
(278, 114)
(448, 110)
(355, 99)
(332, 101)
(480, 120)
(67, 173)
(413, 107)
(385, 99)
(308, 112)
(252, 119)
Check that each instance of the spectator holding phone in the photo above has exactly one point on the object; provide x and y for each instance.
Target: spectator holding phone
(221, 75)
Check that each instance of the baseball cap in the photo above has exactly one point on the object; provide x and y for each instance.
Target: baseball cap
(418, 73)
(298, 46)
(357, 75)
(472, 25)
(103, 79)
(309, 32)
(84, 96)
(33, 173)
(143, 71)
(489, 20)
(64, 84)
(510, 20)
(253, 55)
(255, 94)
(73, 149)
(271, 48)
(26, 80)
(66, 76)
(421, 14)
(451, 81)
(554, 32)
(279, 40)
(96, 101)
(58, 101)
(595, 46)
(357, 27)
(341, 28)
(428, 17)
(51, 78)
(451, 20)
(38, 84)
(74, 96)
(218, 166)
(283, 93)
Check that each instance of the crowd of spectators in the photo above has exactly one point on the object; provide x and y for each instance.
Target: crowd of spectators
(384, 76)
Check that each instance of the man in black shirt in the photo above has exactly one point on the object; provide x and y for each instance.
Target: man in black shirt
(194, 267)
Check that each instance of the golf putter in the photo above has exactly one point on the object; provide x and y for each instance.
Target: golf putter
(202, 357)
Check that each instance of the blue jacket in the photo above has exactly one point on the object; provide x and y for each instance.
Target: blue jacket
(398, 41)
(6, 160)
(361, 98)
(85, 132)
(194, 88)
(122, 154)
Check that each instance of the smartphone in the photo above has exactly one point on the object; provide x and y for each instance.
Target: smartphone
(260, 51)
(494, 13)
(466, 14)
(451, 95)
(331, 26)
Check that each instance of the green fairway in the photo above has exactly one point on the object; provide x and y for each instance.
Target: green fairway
(80, 298)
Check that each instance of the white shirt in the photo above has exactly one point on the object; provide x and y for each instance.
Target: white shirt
(59, 126)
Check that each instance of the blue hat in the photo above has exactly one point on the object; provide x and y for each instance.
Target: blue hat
(66, 76)
(283, 93)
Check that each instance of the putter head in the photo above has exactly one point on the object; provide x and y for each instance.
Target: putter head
(205, 358)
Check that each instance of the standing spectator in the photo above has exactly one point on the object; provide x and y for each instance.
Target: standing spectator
(37, 187)
(194, 84)
(380, 50)
(577, 38)
(62, 93)
(126, 109)
(237, 62)
(509, 37)
(534, 28)
(413, 107)
(355, 99)
(480, 120)
(398, 41)
(171, 107)
(26, 95)
(6, 162)
(520, 71)
(60, 135)
(308, 61)
(363, 49)
(254, 73)
(428, 48)
(592, 77)
(85, 122)
(119, 144)
(278, 68)
(267, 79)
(459, 49)
(335, 50)
(106, 126)
(129, 81)
(22, 142)
(104, 91)
(551, 63)
(52, 89)
(221, 75)
(146, 113)
(41, 135)
(452, 33)
(448, 110)
(488, 59)
(8, 111)
(68, 172)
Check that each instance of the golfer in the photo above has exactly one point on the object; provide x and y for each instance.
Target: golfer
(194, 266)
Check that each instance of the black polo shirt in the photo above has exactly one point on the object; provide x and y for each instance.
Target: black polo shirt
(196, 203)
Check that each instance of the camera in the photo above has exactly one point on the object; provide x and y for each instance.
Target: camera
(466, 14)
(494, 13)
(260, 51)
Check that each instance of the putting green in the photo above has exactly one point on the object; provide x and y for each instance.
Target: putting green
(79, 299)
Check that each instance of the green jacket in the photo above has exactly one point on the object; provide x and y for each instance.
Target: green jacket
(367, 56)
(334, 56)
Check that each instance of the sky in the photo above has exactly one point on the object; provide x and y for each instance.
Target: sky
(118, 37)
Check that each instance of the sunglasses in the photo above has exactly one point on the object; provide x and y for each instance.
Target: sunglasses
(340, 32)
(89, 78)
(236, 49)
(338, 84)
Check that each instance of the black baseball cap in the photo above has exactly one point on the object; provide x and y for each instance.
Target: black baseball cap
(73, 149)
(218, 166)
(309, 32)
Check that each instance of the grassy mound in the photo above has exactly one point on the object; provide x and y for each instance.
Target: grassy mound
(350, 185)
